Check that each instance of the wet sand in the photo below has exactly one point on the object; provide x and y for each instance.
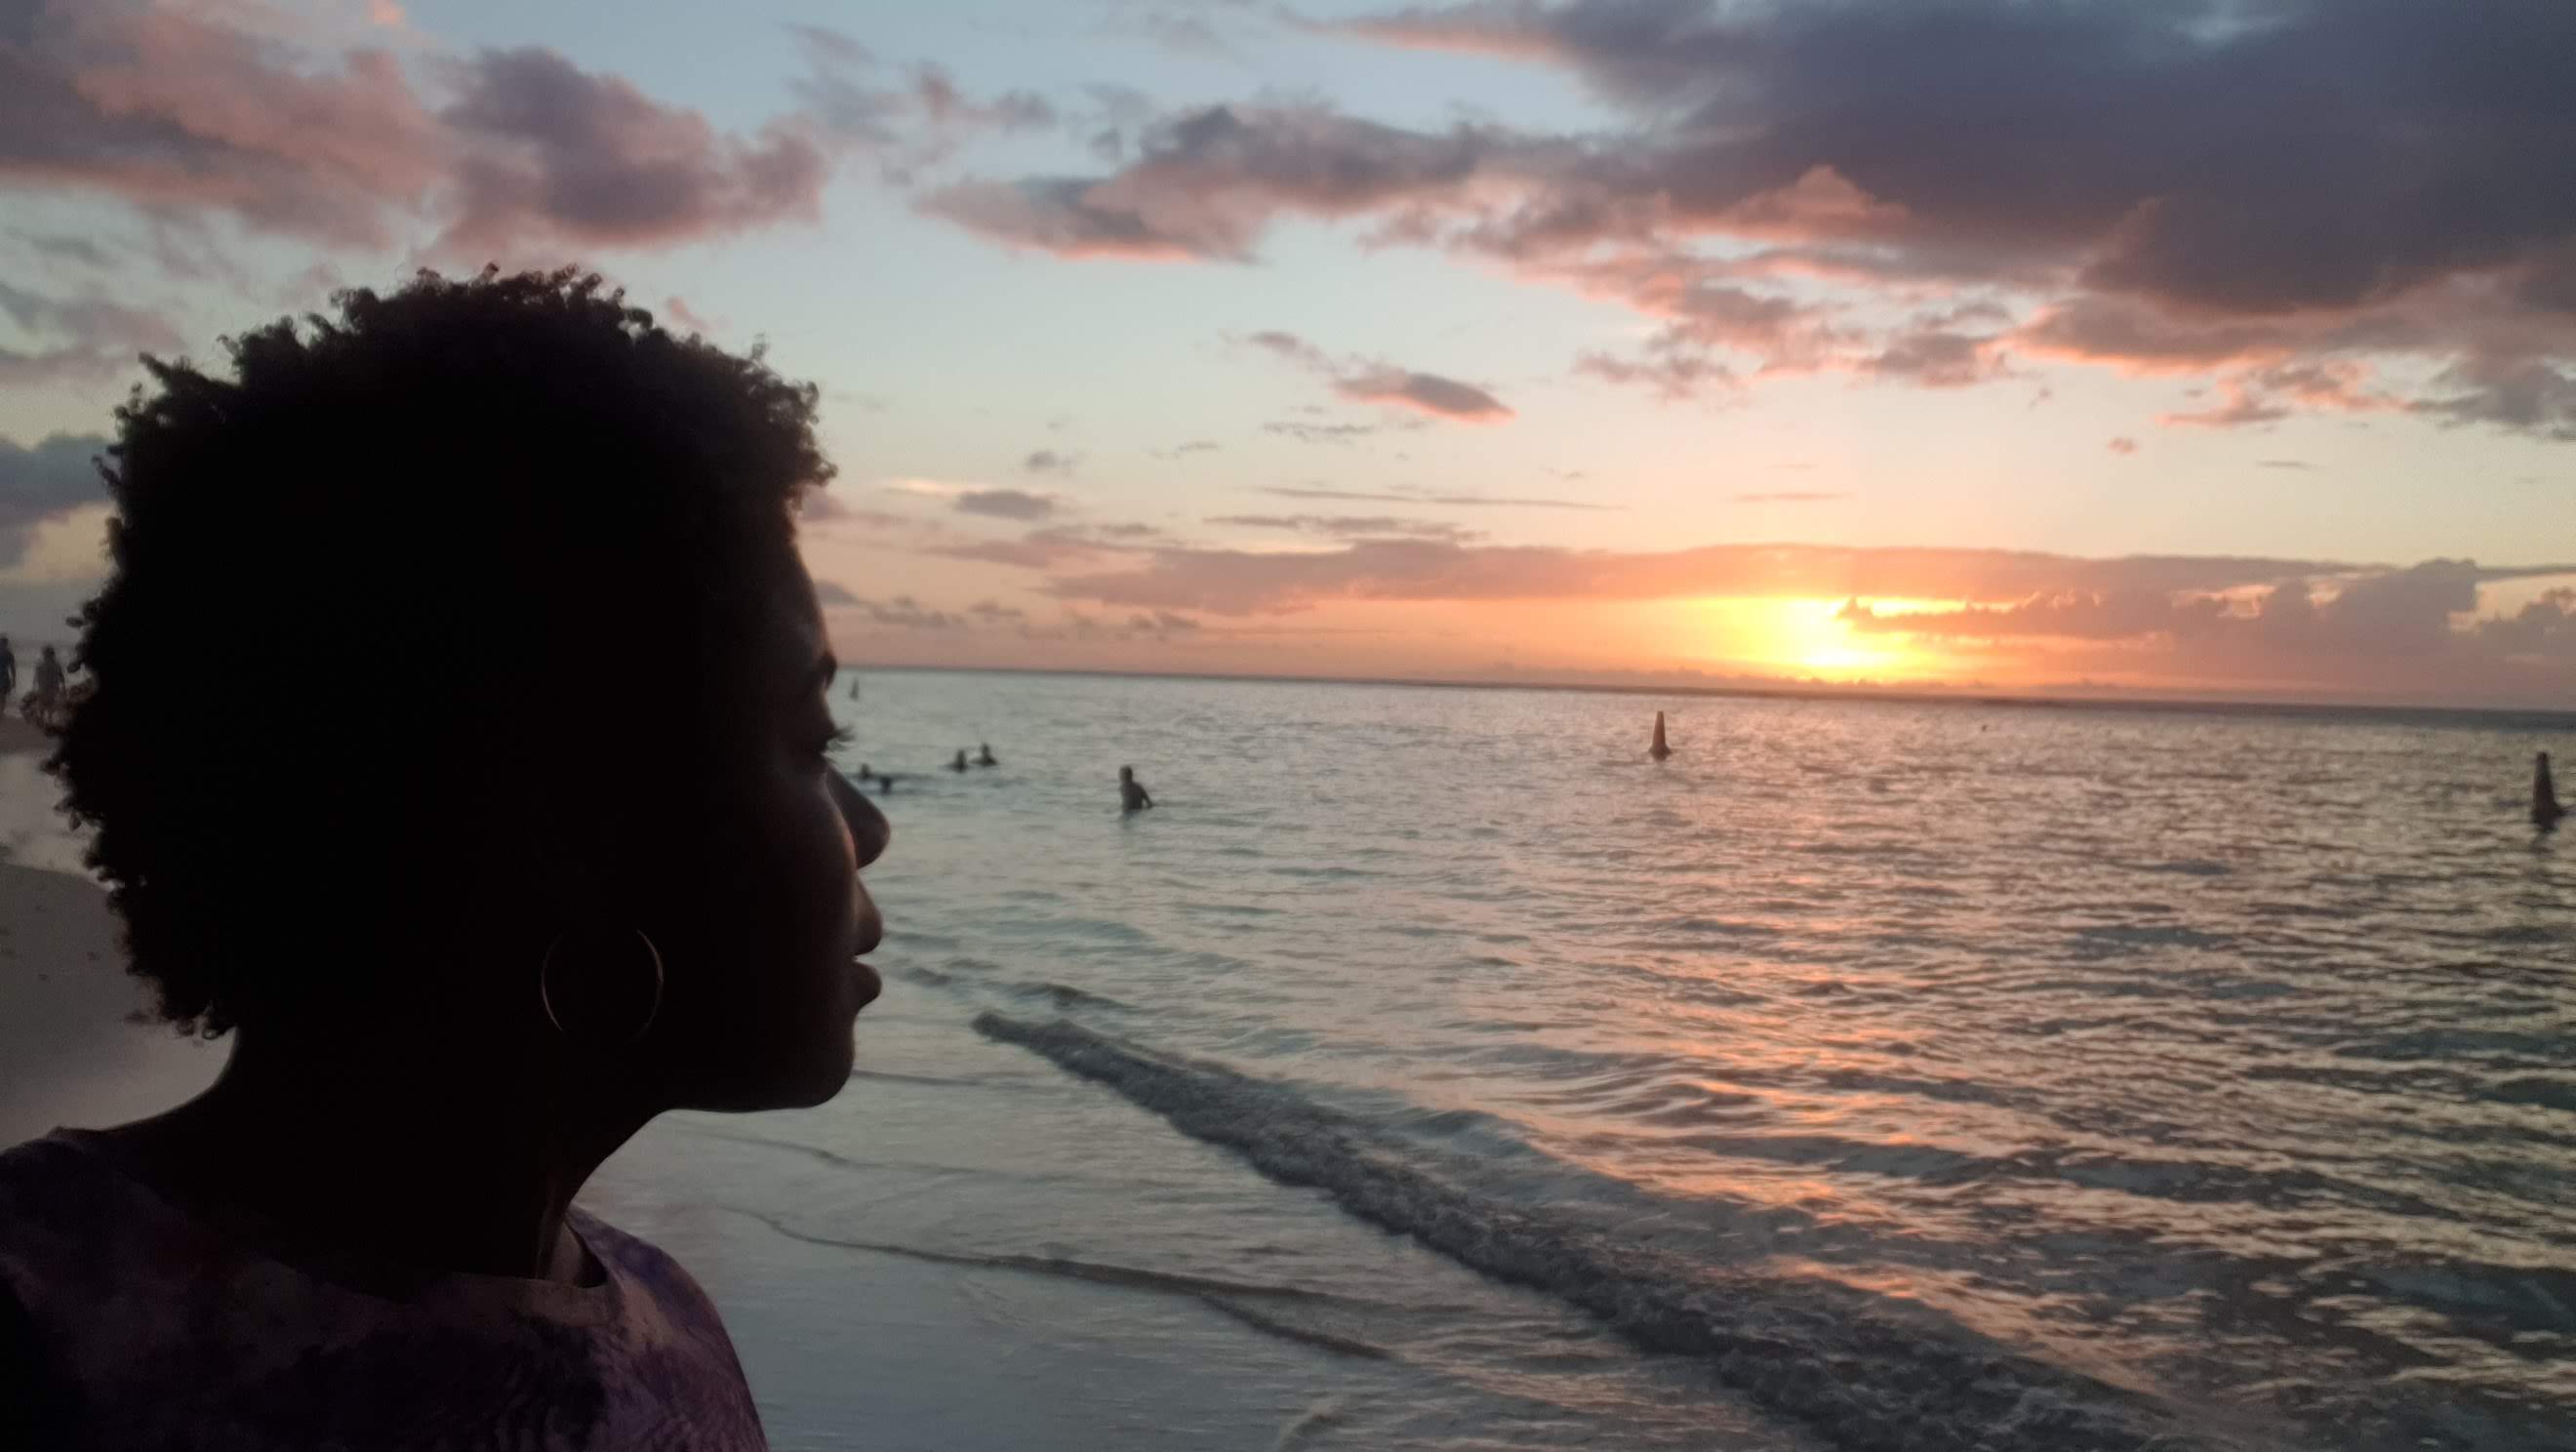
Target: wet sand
(76, 1055)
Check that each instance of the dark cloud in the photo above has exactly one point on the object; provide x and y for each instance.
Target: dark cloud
(1353, 526)
(48, 480)
(905, 613)
(2544, 629)
(995, 610)
(1319, 433)
(83, 339)
(1160, 622)
(2350, 631)
(1040, 551)
(1048, 461)
(1298, 491)
(2181, 188)
(1673, 373)
(833, 45)
(2156, 139)
(1193, 446)
(1047, 549)
(65, 247)
(2285, 464)
(2266, 395)
(1293, 348)
(2241, 407)
(1051, 214)
(1206, 183)
(1427, 392)
(555, 154)
(2528, 395)
(1938, 359)
(822, 506)
(1238, 582)
(1364, 382)
(945, 105)
(828, 595)
(2123, 445)
(1005, 504)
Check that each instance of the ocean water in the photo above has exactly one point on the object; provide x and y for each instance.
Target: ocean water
(1431, 1070)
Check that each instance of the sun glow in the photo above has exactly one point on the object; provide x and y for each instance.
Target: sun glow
(1808, 638)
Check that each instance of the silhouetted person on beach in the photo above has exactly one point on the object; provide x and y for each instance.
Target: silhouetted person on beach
(1132, 796)
(960, 763)
(985, 756)
(49, 687)
(2545, 810)
(462, 952)
(8, 674)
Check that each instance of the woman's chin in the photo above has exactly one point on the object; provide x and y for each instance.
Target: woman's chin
(796, 1080)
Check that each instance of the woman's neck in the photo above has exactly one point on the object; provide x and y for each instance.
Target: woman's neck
(438, 1159)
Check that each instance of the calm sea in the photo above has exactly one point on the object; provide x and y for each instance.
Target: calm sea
(1868, 1075)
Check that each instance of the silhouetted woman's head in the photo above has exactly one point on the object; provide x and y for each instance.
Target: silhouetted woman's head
(456, 649)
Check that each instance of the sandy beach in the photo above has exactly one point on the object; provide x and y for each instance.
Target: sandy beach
(77, 1056)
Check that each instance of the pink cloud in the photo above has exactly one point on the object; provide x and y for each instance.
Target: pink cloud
(174, 109)
(688, 317)
(1241, 582)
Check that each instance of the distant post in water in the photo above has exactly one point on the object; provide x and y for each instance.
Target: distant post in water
(1659, 750)
(2545, 810)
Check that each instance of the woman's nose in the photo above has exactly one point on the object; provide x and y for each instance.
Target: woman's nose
(869, 830)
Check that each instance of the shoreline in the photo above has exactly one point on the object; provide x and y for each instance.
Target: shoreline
(80, 1052)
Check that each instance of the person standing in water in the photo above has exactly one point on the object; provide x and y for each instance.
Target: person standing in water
(8, 673)
(1659, 750)
(960, 763)
(2545, 810)
(985, 757)
(1132, 796)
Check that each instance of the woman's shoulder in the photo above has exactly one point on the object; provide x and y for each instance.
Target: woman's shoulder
(654, 1285)
(154, 1332)
(65, 1212)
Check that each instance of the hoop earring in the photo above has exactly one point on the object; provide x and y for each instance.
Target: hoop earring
(546, 968)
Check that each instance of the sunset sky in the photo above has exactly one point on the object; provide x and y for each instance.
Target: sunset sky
(2223, 347)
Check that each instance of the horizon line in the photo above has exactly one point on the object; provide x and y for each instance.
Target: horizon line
(2129, 699)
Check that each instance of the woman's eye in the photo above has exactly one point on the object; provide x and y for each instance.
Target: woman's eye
(837, 738)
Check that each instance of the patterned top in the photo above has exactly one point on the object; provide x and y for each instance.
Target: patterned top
(125, 1324)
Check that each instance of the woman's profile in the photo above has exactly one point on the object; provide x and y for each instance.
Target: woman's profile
(466, 940)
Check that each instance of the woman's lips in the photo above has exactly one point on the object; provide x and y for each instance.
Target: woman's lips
(869, 984)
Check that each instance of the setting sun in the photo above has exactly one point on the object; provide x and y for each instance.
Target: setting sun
(1808, 638)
